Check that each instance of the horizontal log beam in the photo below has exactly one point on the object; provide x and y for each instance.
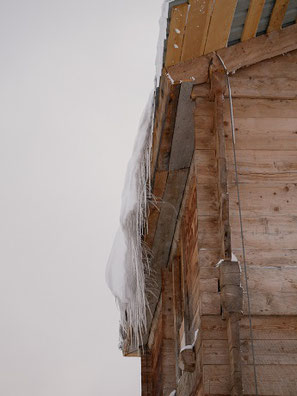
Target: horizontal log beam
(237, 56)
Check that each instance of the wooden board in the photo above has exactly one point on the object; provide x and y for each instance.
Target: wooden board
(250, 133)
(258, 200)
(178, 19)
(277, 15)
(205, 166)
(272, 379)
(220, 25)
(252, 20)
(269, 231)
(215, 352)
(269, 328)
(216, 379)
(196, 28)
(239, 55)
(270, 352)
(268, 279)
(257, 87)
(183, 137)
(251, 108)
(261, 166)
(268, 257)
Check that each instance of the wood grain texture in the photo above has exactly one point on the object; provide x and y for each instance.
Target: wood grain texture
(220, 25)
(178, 19)
(196, 28)
(239, 55)
(277, 15)
(252, 19)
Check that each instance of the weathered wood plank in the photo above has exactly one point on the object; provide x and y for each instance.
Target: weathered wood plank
(167, 131)
(261, 166)
(168, 335)
(169, 211)
(213, 328)
(207, 197)
(270, 232)
(239, 55)
(251, 108)
(270, 352)
(163, 100)
(271, 279)
(176, 34)
(258, 200)
(216, 379)
(250, 133)
(183, 137)
(277, 15)
(269, 328)
(220, 25)
(196, 28)
(154, 209)
(252, 19)
(268, 257)
(272, 380)
(205, 166)
(276, 303)
(257, 87)
(215, 352)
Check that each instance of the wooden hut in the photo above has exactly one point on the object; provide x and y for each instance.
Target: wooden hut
(223, 231)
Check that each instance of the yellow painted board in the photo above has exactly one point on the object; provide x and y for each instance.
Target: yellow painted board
(220, 25)
(176, 34)
(278, 14)
(252, 19)
(196, 28)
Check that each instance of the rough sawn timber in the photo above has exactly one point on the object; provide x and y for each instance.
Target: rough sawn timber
(238, 56)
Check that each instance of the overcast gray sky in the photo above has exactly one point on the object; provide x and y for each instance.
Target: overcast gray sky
(75, 76)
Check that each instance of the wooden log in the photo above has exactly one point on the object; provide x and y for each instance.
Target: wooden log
(258, 87)
(269, 232)
(272, 379)
(270, 352)
(187, 359)
(260, 166)
(269, 328)
(238, 56)
(251, 108)
(216, 379)
(215, 351)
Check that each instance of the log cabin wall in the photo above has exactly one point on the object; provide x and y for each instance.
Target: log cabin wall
(265, 110)
(197, 350)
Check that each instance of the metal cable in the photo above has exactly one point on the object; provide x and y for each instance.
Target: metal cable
(240, 220)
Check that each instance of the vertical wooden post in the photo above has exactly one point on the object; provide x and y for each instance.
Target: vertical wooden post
(168, 341)
(146, 373)
(231, 292)
(177, 308)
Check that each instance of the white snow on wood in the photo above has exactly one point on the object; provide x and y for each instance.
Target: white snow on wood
(128, 260)
(128, 263)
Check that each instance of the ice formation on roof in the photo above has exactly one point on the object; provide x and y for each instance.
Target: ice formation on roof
(128, 262)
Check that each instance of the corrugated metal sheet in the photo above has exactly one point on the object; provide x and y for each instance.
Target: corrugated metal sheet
(241, 13)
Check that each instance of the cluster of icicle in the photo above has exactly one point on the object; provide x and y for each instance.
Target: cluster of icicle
(129, 262)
